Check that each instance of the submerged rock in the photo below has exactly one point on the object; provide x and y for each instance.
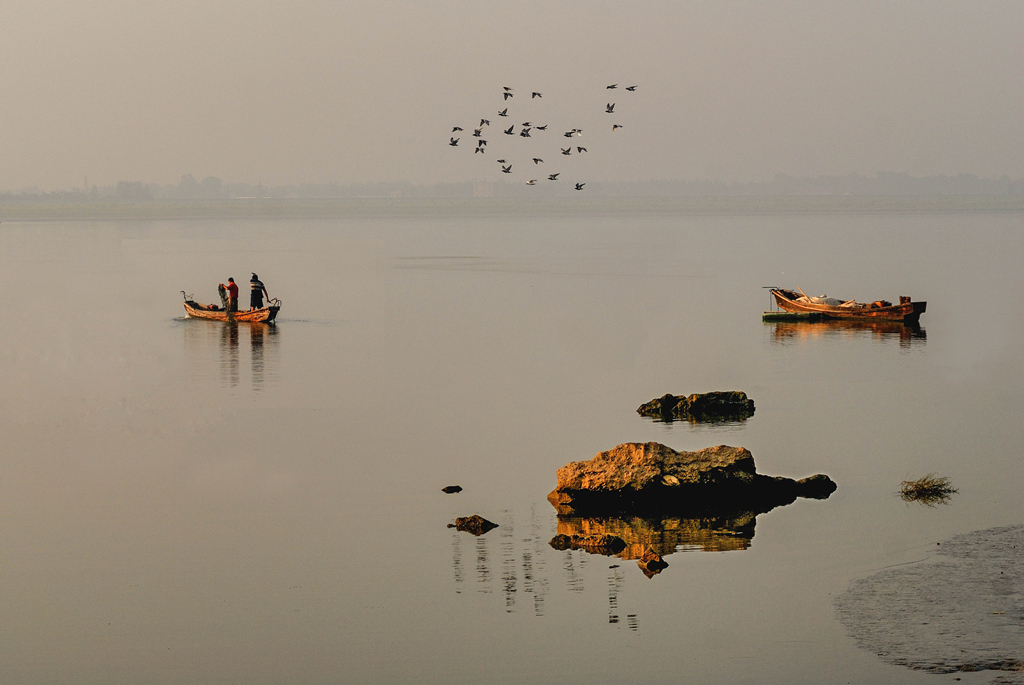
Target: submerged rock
(595, 544)
(700, 407)
(960, 611)
(450, 489)
(651, 563)
(650, 476)
(475, 524)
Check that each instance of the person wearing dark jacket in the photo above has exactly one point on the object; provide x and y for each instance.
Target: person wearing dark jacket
(256, 292)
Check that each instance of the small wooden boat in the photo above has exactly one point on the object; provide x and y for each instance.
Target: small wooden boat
(830, 308)
(209, 311)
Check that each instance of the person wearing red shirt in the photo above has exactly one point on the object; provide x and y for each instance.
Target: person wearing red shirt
(232, 294)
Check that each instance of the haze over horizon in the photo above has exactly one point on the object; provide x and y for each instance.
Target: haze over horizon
(321, 91)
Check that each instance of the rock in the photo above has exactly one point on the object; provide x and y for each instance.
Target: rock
(638, 476)
(475, 524)
(818, 486)
(651, 563)
(595, 544)
(449, 489)
(700, 407)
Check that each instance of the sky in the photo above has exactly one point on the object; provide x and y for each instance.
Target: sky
(319, 91)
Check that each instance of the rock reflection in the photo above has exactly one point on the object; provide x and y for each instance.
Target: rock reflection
(508, 563)
(572, 567)
(535, 580)
(667, 535)
(483, 569)
(457, 572)
(522, 561)
(615, 579)
(790, 332)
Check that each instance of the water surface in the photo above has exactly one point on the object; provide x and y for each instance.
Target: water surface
(186, 501)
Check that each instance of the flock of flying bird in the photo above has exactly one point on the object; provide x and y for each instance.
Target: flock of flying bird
(524, 132)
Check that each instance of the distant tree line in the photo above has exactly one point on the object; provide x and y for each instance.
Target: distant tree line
(213, 188)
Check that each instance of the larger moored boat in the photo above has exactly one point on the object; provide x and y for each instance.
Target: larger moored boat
(832, 308)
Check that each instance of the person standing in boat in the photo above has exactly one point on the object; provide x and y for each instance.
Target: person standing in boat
(257, 291)
(232, 294)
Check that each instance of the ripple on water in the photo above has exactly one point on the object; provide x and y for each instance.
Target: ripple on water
(960, 611)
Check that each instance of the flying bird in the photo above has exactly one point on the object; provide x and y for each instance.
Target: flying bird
(615, 126)
(631, 88)
(534, 94)
(525, 133)
(485, 122)
(456, 128)
(454, 141)
(531, 182)
(478, 149)
(579, 186)
(537, 160)
(580, 149)
(527, 124)
(507, 89)
(542, 128)
(500, 161)
(566, 150)
(553, 177)
(506, 169)
(569, 134)
(609, 108)
(507, 95)
(614, 85)
(503, 113)
(481, 142)
(478, 131)
(508, 131)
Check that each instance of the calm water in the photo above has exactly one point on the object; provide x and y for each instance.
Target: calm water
(188, 502)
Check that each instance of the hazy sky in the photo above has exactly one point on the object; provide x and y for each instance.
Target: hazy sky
(323, 90)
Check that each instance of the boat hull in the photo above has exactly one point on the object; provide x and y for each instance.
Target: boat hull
(264, 315)
(909, 312)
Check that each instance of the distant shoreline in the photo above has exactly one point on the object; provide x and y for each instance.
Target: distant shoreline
(330, 208)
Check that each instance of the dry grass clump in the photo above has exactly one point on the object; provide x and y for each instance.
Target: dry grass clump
(929, 490)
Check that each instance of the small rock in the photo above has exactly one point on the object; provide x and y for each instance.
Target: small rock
(651, 563)
(475, 524)
(818, 486)
(451, 489)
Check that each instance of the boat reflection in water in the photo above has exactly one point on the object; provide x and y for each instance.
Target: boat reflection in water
(788, 332)
(214, 350)
(263, 340)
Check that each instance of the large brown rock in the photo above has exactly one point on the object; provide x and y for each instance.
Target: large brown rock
(700, 407)
(636, 476)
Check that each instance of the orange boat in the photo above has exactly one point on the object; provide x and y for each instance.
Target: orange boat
(211, 311)
(832, 308)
